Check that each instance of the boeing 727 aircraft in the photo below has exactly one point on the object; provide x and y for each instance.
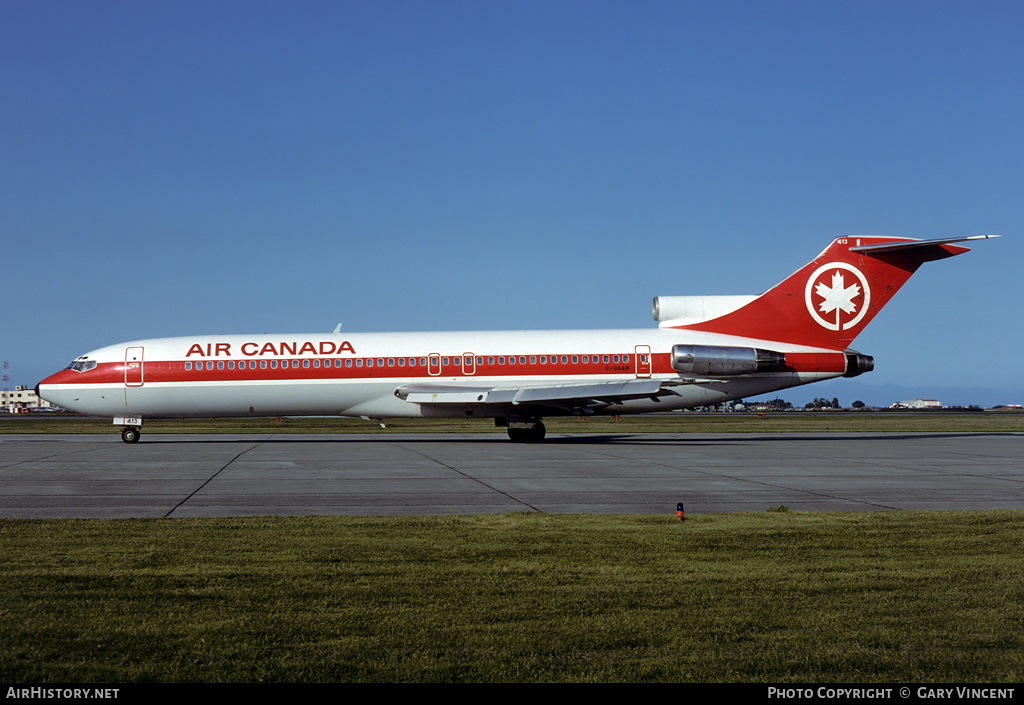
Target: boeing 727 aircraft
(705, 350)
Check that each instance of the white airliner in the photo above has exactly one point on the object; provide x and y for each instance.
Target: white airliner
(705, 350)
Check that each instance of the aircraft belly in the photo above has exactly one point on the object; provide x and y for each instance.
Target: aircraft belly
(281, 399)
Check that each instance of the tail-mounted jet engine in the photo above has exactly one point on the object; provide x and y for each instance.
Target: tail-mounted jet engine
(857, 364)
(724, 360)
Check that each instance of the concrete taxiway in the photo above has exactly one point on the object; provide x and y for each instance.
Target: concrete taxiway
(390, 474)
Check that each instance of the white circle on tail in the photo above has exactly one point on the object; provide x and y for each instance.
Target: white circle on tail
(837, 295)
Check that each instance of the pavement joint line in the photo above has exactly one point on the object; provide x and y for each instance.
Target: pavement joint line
(209, 480)
(470, 477)
(48, 457)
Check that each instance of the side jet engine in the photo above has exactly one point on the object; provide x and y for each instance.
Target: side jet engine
(717, 360)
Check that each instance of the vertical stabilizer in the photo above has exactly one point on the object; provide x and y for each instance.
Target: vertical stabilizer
(830, 300)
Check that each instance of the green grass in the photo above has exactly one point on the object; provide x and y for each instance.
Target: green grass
(774, 596)
(689, 422)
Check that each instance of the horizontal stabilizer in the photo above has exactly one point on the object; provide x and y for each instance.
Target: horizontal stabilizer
(922, 250)
(915, 244)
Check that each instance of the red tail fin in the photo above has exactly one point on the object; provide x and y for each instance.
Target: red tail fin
(830, 300)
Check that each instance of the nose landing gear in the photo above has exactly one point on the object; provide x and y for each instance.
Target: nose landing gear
(130, 434)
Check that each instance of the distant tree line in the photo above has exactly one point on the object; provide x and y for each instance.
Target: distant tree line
(822, 403)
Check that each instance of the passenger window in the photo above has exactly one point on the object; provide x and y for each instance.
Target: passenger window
(188, 366)
(263, 364)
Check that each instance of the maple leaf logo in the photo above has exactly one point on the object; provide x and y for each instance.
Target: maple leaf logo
(841, 306)
(838, 297)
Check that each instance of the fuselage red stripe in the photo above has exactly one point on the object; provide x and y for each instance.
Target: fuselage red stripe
(155, 371)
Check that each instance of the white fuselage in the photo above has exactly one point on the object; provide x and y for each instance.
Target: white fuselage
(358, 374)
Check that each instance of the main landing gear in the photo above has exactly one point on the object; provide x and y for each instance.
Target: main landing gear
(532, 432)
(130, 434)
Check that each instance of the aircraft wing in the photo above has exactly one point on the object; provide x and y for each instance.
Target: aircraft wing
(580, 396)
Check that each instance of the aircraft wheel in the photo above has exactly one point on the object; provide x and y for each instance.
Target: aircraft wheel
(130, 434)
(532, 433)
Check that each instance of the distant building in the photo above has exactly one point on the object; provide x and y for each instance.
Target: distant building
(918, 404)
(22, 400)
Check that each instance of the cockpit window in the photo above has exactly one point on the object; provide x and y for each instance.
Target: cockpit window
(81, 365)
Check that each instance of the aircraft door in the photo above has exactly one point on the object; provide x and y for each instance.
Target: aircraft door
(468, 364)
(643, 360)
(433, 364)
(133, 367)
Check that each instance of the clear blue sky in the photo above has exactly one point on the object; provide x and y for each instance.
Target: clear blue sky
(236, 167)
